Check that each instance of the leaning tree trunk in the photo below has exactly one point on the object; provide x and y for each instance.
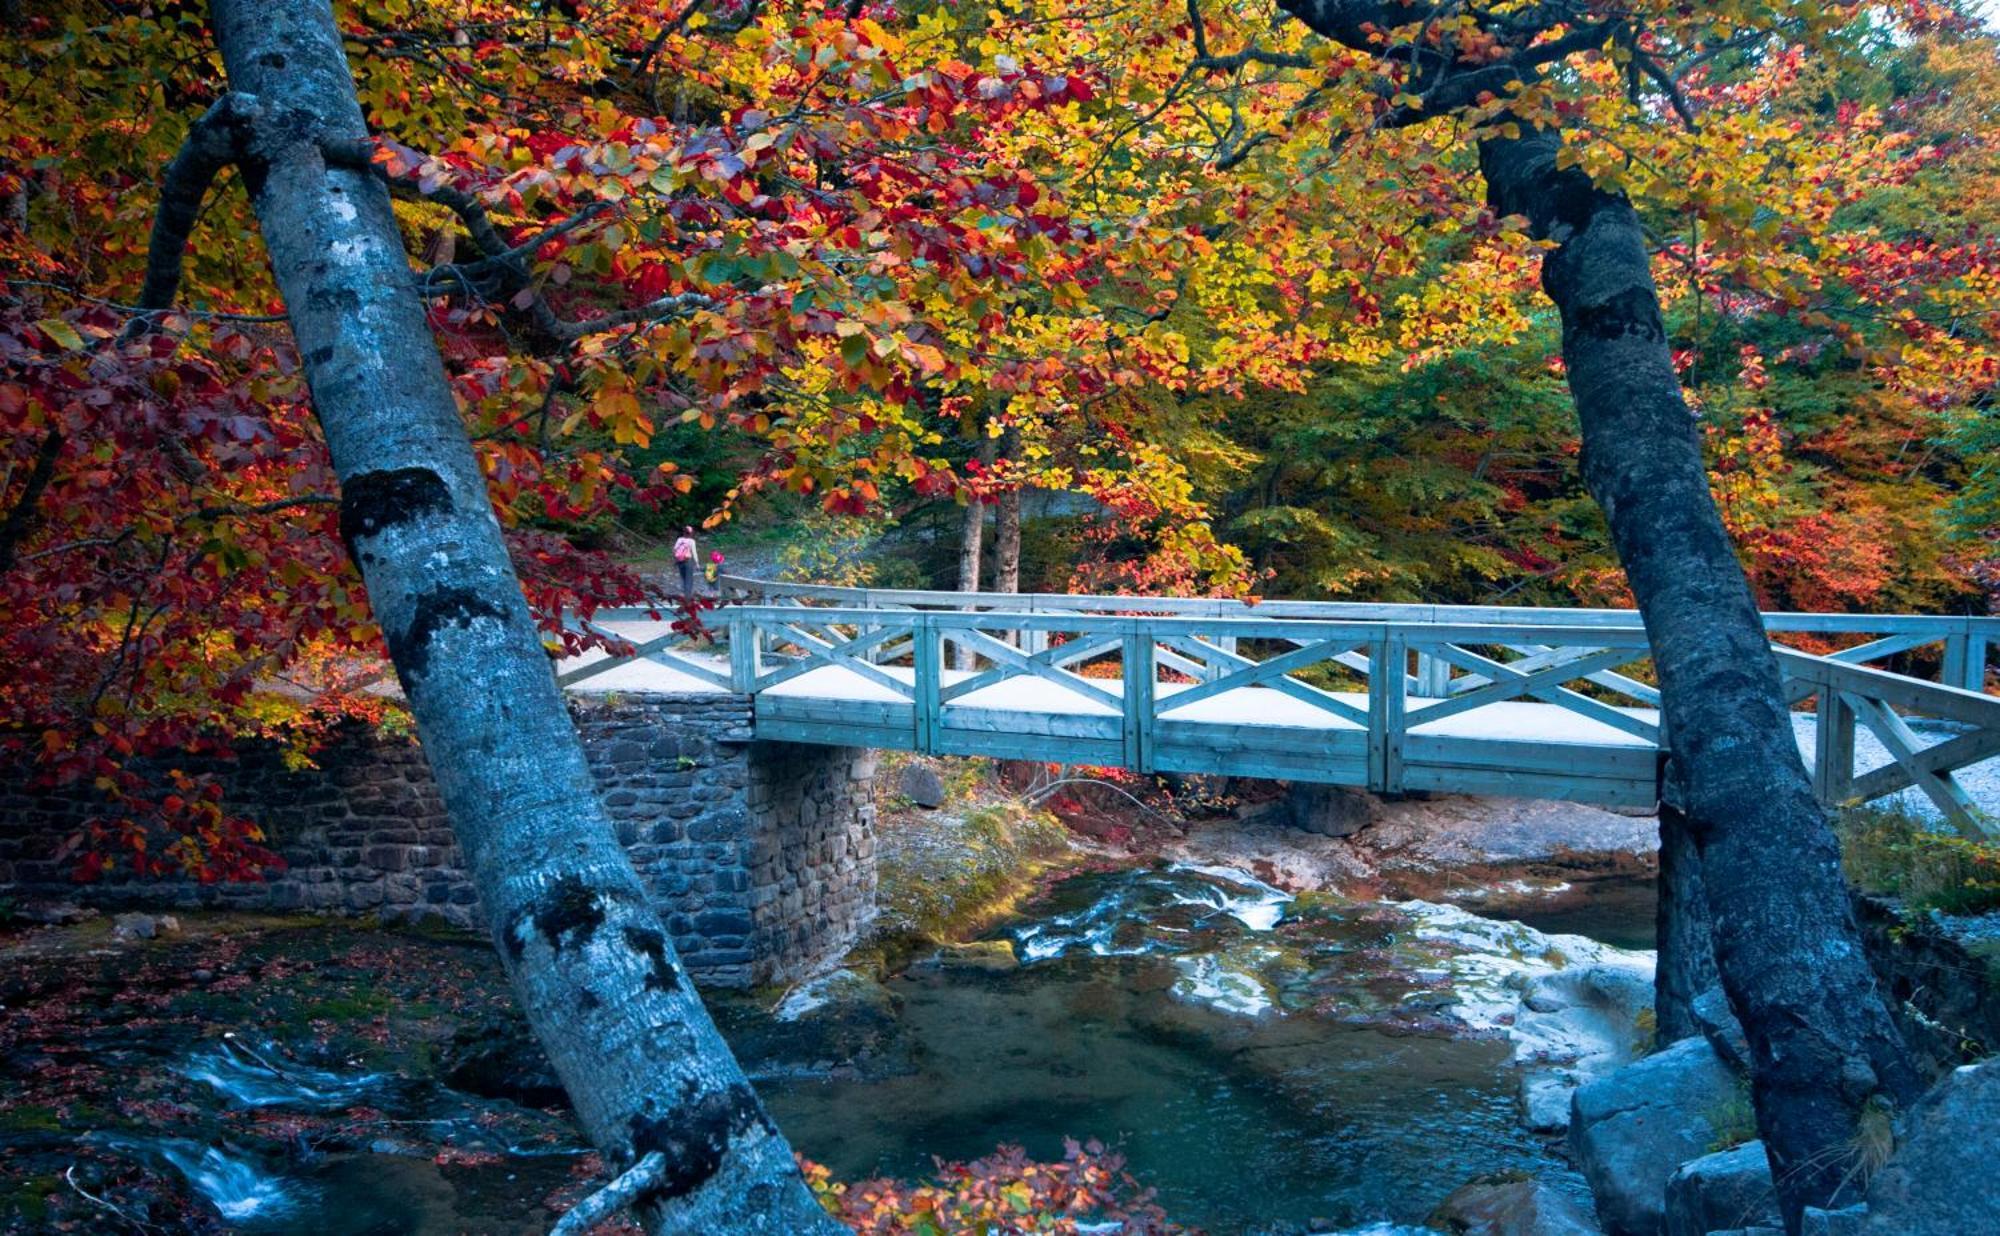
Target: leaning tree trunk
(1786, 945)
(591, 963)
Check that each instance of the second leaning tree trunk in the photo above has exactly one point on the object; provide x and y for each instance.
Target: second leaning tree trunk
(1787, 948)
(591, 962)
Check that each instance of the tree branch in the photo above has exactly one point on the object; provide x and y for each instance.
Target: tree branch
(213, 142)
(620, 1193)
(509, 262)
(21, 516)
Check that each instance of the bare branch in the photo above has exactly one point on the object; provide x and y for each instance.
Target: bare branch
(214, 142)
(620, 1193)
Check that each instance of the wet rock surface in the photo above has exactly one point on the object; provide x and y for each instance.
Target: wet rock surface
(259, 1074)
(1512, 1208)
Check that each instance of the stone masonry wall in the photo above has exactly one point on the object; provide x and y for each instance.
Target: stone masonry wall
(760, 855)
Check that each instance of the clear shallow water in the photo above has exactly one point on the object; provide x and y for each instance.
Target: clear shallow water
(1262, 1061)
(1255, 1069)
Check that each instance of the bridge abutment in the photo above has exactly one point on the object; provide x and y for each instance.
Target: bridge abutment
(761, 856)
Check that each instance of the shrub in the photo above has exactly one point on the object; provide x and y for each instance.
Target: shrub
(1003, 1194)
(1891, 853)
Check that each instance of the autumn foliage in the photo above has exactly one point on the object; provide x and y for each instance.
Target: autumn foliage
(1173, 254)
(1005, 1192)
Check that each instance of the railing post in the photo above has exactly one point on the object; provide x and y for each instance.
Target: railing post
(743, 666)
(1433, 677)
(1833, 746)
(1141, 672)
(1965, 661)
(1387, 663)
(928, 659)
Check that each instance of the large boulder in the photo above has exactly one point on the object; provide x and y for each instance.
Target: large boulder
(1846, 1221)
(1330, 810)
(1632, 1128)
(1511, 1208)
(1574, 1024)
(1725, 1191)
(1939, 1181)
(921, 785)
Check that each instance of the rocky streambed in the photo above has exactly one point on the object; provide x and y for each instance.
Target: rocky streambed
(1356, 1059)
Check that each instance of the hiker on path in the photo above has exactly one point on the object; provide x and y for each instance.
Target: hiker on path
(684, 555)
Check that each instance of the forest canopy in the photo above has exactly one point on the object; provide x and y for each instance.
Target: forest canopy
(1215, 279)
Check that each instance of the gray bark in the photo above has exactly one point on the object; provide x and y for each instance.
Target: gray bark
(1686, 962)
(591, 962)
(1822, 1043)
(972, 535)
(971, 546)
(1787, 949)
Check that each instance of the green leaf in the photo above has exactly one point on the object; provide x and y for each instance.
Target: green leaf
(62, 332)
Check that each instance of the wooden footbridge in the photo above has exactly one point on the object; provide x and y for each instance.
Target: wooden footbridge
(1533, 703)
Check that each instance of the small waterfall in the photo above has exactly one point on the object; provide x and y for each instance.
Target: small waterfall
(240, 1190)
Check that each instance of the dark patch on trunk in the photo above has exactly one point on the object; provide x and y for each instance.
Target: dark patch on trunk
(589, 1002)
(569, 908)
(320, 356)
(375, 502)
(1633, 313)
(336, 301)
(660, 972)
(694, 1137)
(435, 610)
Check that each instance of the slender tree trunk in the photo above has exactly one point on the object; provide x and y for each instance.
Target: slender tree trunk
(972, 537)
(1686, 950)
(591, 963)
(1007, 528)
(1786, 944)
(971, 544)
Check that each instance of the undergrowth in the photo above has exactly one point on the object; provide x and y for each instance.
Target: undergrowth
(1892, 854)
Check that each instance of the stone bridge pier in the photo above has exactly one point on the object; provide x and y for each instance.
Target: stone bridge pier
(760, 855)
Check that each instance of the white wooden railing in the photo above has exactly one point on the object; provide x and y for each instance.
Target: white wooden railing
(1298, 690)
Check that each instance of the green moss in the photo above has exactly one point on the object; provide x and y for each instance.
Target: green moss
(30, 1119)
(945, 879)
(1892, 854)
(1734, 1120)
(27, 1199)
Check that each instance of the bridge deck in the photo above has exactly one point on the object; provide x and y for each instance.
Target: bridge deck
(1505, 702)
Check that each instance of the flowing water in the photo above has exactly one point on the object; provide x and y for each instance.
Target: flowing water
(1261, 1060)
(1266, 1062)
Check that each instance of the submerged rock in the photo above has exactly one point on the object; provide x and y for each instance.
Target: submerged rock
(1511, 1208)
(1632, 1128)
(836, 992)
(1725, 1191)
(498, 1057)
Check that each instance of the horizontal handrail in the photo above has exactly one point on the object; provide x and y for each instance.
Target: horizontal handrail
(889, 599)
